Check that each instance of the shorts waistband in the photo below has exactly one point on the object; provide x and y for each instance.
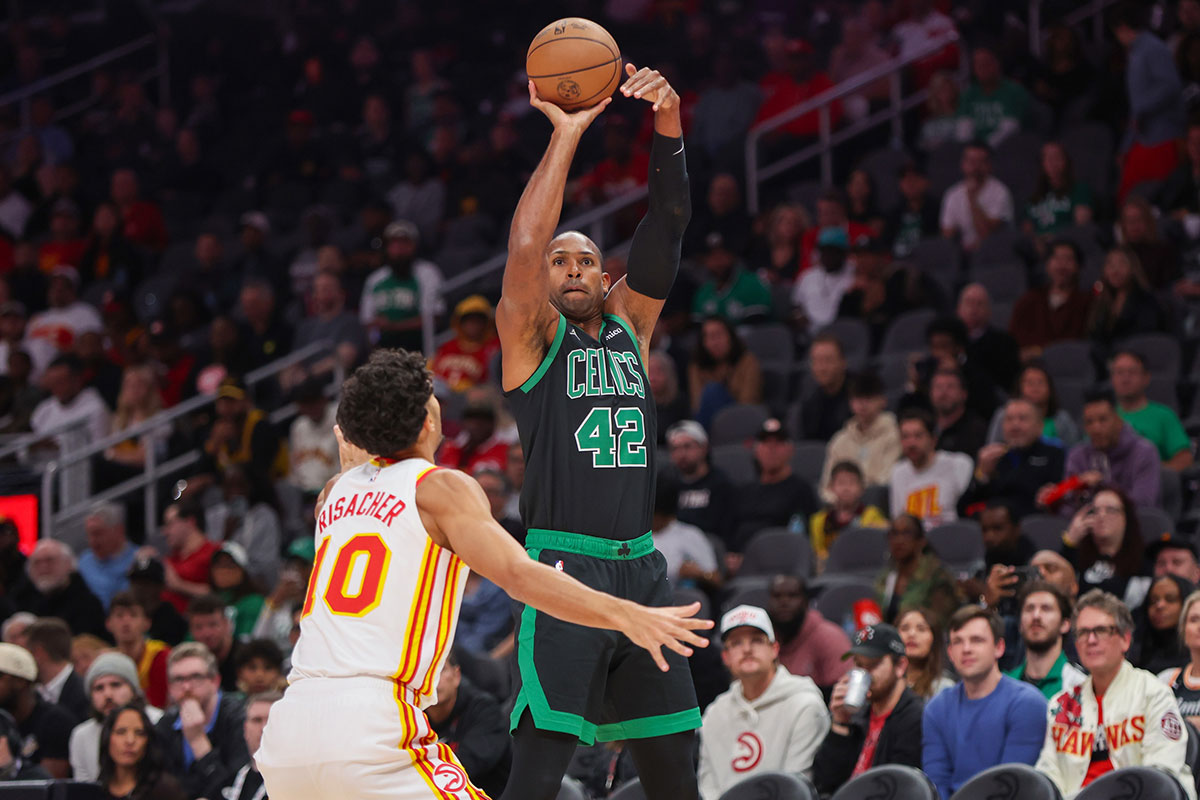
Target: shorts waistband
(595, 546)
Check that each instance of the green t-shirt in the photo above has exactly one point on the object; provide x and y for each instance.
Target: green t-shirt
(987, 111)
(1161, 426)
(746, 296)
(245, 614)
(396, 299)
(1056, 212)
(1049, 686)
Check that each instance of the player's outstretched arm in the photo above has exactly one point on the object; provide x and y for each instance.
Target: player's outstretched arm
(654, 251)
(456, 514)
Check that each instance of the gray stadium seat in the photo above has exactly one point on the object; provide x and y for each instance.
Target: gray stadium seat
(1090, 145)
(937, 255)
(772, 785)
(750, 590)
(907, 331)
(1001, 249)
(773, 551)
(1001, 314)
(629, 791)
(883, 165)
(1193, 750)
(958, 544)
(1154, 523)
(855, 337)
(1071, 392)
(1004, 284)
(771, 343)
(737, 423)
(1161, 352)
(1008, 781)
(1069, 359)
(858, 551)
(1171, 500)
(736, 461)
(878, 496)
(571, 790)
(837, 599)
(1162, 389)
(686, 595)
(944, 167)
(807, 460)
(1134, 783)
(890, 782)
(1044, 530)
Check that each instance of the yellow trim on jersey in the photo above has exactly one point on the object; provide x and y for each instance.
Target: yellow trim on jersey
(310, 597)
(419, 613)
(449, 596)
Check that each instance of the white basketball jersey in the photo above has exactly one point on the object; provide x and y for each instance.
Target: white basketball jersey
(383, 598)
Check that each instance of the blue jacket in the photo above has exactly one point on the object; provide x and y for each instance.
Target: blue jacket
(1156, 109)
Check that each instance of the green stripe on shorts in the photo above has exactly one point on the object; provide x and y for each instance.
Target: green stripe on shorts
(584, 545)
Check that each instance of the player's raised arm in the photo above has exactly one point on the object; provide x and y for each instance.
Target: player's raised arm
(654, 252)
(455, 512)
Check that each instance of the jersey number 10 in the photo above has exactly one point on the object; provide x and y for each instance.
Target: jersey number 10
(627, 448)
(368, 546)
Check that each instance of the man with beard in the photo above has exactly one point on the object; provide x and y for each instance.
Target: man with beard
(1045, 625)
(54, 589)
(809, 644)
(396, 294)
(45, 728)
(112, 682)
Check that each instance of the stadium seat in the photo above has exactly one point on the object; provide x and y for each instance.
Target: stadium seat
(1004, 283)
(807, 459)
(1171, 499)
(571, 790)
(959, 545)
(883, 165)
(1001, 314)
(906, 334)
(855, 337)
(1162, 389)
(1044, 530)
(1193, 751)
(944, 167)
(1008, 781)
(771, 343)
(1161, 352)
(1001, 249)
(806, 194)
(858, 551)
(686, 595)
(1134, 783)
(1069, 359)
(736, 461)
(773, 785)
(1071, 392)
(889, 782)
(750, 590)
(1091, 147)
(837, 599)
(737, 423)
(772, 551)
(629, 791)
(937, 255)
(893, 371)
(878, 496)
(1155, 523)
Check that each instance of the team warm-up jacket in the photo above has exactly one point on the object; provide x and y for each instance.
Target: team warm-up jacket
(1142, 725)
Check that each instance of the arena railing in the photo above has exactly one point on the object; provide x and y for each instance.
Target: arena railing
(1092, 11)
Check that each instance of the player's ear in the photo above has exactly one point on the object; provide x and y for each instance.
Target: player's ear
(605, 281)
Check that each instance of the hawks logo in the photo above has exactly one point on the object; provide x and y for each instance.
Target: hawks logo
(1069, 711)
(750, 752)
(449, 777)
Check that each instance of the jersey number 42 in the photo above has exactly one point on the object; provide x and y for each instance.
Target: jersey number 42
(616, 437)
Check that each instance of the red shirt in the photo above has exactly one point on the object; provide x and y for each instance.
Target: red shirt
(1101, 763)
(610, 179)
(462, 365)
(868, 749)
(492, 454)
(57, 254)
(144, 225)
(193, 569)
(781, 92)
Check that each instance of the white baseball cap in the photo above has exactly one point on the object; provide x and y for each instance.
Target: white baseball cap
(17, 661)
(747, 617)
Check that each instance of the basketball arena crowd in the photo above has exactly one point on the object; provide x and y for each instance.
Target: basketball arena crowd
(934, 419)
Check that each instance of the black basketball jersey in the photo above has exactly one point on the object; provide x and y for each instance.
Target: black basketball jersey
(588, 428)
(1187, 693)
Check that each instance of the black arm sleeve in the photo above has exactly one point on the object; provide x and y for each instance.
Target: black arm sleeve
(654, 251)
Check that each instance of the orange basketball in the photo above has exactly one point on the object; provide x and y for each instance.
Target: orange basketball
(574, 63)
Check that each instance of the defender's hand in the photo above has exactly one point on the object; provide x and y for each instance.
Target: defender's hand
(569, 121)
(649, 85)
(671, 626)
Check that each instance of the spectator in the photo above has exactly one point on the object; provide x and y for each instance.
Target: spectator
(870, 438)
(730, 290)
(255, 260)
(941, 123)
(809, 644)
(205, 745)
(959, 429)
(887, 730)
(925, 482)
(1155, 422)
(1016, 468)
(248, 781)
(915, 217)
(175, 365)
(465, 360)
(987, 346)
(1113, 454)
(276, 621)
(988, 718)
(1005, 549)
(55, 589)
(264, 335)
(1179, 197)
(722, 372)
(913, 576)
(779, 498)
(245, 518)
(781, 714)
(396, 295)
(148, 582)
(671, 405)
(141, 221)
(706, 497)
(471, 722)
(1173, 555)
(993, 106)
(49, 642)
(1157, 644)
(1064, 80)
(209, 625)
(13, 326)
(1055, 569)
(13, 630)
(240, 434)
(688, 552)
(948, 343)
(722, 213)
(1183, 680)
(831, 213)
(21, 396)
(1060, 202)
(189, 553)
(45, 728)
(819, 291)
(330, 320)
(138, 401)
(1079, 748)
(210, 277)
(1058, 311)
(1124, 305)
(105, 565)
(499, 490)
(15, 208)
(230, 578)
(64, 247)
(68, 317)
(1045, 619)
(312, 446)
(1137, 229)
(855, 55)
(826, 407)
(129, 625)
(861, 206)
(1104, 544)
(1156, 110)
(1035, 385)
(724, 112)
(107, 254)
(478, 445)
(923, 25)
(882, 291)
(111, 683)
(623, 168)
(845, 511)
(801, 79)
(259, 667)
(777, 253)
(978, 205)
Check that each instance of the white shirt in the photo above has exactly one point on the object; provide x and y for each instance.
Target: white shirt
(932, 494)
(314, 451)
(62, 326)
(40, 351)
(994, 198)
(679, 542)
(87, 405)
(52, 689)
(916, 34)
(819, 293)
(84, 747)
(15, 211)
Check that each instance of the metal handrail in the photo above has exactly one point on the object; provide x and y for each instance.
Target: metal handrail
(1093, 10)
(24, 441)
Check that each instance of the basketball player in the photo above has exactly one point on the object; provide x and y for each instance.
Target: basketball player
(395, 538)
(574, 350)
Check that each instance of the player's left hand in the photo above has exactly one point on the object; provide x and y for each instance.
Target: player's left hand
(649, 85)
(670, 626)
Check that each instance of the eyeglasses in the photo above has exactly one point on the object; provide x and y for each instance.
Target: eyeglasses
(1101, 632)
(195, 677)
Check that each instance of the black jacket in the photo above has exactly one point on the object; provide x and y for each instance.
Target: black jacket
(74, 604)
(218, 768)
(899, 743)
(74, 698)
(477, 732)
(1017, 478)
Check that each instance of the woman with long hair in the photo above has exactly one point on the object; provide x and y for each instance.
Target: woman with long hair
(107, 254)
(1104, 544)
(1185, 681)
(138, 401)
(1060, 200)
(1124, 304)
(1157, 644)
(131, 763)
(941, 121)
(1035, 384)
(923, 645)
(861, 205)
(778, 250)
(1137, 229)
(722, 371)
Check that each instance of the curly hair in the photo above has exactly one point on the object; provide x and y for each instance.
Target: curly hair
(383, 403)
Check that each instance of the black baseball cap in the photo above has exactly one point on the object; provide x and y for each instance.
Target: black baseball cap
(877, 641)
(772, 429)
(1170, 541)
(149, 569)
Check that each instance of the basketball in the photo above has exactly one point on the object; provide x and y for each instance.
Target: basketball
(574, 63)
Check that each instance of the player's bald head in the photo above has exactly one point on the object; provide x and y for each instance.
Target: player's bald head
(574, 242)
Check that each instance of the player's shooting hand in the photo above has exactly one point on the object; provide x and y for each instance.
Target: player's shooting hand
(649, 85)
(671, 626)
(570, 121)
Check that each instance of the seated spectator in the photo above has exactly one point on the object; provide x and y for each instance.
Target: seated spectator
(670, 403)
(107, 254)
(229, 577)
(464, 361)
(244, 517)
(1157, 642)
(259, 667)
(1063, 76)
(265, 335)
(858, 53)
(870, 438)
(779, 498)
(777, 254)
(881, 290)
(130, 758)
(1113, 454)
(706, 497)
(988, 347)
(209, 625)
(1005, 549)
(13, 629)
(721, 213)
(1124, 304)
(914, 577)
(64, 245)
(1045, 619)
(819, 291)
(84, 649)
(276, 620)
(68, 317)
(1137, 229)
(240, 434)
(1104, 544)
(330, 320)
(809, 644)
(886, 730)
(1183, 680)
(211, 747)
(724, 112)
(1155, 422)
(784, 714)
(831, 213)
(1174, 555)
(923, 648)
(722, 372)
(129, 625)
(861, 206)
(111, 683)
(1058, 311)
(477, 445)
(485, 618)
(395, 295)
(44, 727)
(941, 123)
(104, 565)
(993, 107)
(1035, 385)
(13, 325)
(499, 490)
(799, 79)
(138, 401)
(189, 553)
(312, 446)
(147, 583)
(209, 277)
(846, 511)
(70, 401)
(247, 783)
(988, 718)
(688, 552)
(1060, 201)
(1017, 467)
(1179, 197)
(141, 221)
(49, 642)
(54, 588)
(730, 290)
(472, 723)
(1078, 747)
(978, 205)
(925, 482)
(1055, 569)
(826, 406)
(915, 217)
(947, 342)
(922, 26)
(959, 429)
